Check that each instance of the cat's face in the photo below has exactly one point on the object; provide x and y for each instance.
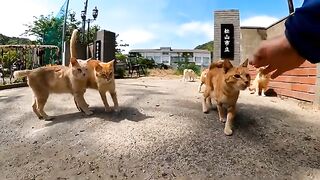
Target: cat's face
(237, 77)
(79, 69)
(105, 71)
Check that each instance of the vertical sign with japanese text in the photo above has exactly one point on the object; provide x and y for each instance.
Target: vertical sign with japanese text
(97, 54)
(227, 41)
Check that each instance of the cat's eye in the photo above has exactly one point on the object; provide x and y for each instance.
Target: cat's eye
(236, 76)
(79, 70)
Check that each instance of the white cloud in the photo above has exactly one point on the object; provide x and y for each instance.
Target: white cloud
(260, 21)
(196, 27)
(15, 13)
(135, 37)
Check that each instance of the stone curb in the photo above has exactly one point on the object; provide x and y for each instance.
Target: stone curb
(24, 84)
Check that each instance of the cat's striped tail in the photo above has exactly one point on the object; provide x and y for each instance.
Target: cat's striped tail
(22, 73)
(73, 42)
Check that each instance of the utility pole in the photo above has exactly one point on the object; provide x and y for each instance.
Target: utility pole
(83, 16)
(291, 7)
(63, 33)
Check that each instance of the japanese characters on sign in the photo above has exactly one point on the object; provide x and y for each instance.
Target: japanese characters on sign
(98, 49)
(227, 41)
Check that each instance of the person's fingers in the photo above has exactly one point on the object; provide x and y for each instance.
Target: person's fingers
(276, 73)
(268, 69)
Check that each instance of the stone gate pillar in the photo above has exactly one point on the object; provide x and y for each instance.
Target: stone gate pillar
(227, 35)
(105, 46)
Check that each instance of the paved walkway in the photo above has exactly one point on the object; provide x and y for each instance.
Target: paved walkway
(159, 133)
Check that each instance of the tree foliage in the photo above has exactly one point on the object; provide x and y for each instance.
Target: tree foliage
(206, 46)
(48, 29)
(14, 40)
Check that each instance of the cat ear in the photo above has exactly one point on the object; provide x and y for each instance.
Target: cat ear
(227, 65)
(111, 62)
(98, 68)
(245, 63)
(74, 62)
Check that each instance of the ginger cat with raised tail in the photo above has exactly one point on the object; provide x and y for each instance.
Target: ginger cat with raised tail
(56, 79)
(260, 83)
(100, 75)
(223, 84)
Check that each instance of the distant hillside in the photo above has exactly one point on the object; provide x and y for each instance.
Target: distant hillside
(13, 40)
(206, 46)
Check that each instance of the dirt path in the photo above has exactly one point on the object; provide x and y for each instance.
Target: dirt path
(159, 133)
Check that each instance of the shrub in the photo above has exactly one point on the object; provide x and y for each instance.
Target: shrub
(182, 65)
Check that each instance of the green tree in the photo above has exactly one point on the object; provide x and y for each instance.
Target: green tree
(121, 57)
(48, 29)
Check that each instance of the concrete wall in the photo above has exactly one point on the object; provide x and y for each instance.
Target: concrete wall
(252, 35)
(227, 17)
(276, 29)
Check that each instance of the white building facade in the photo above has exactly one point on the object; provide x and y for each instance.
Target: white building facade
(169, 56)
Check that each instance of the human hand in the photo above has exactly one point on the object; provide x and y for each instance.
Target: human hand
(278, 55)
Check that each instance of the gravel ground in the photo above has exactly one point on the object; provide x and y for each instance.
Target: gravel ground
(160, 133)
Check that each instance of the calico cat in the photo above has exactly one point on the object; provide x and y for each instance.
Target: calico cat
(100, 75)
(56, 79)
(260, 83)
(223, 84)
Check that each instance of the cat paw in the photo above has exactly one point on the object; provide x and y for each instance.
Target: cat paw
(116, 109)
(228, 131)
(88, 113)
(107, 109)
(206, 111)
(223, 120)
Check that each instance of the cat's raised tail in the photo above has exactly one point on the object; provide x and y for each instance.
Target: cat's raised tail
(22, 73)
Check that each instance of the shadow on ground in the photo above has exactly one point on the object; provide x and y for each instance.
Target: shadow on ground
(267, 142)
(126, 113)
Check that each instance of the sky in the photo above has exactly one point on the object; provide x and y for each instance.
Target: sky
(148, 23)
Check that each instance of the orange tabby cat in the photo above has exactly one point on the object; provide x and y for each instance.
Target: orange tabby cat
(223, 84)
(203, 78)
(260, 83)
(100, 75)
(56, 79)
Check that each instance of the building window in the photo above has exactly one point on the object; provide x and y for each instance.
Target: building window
(198, 60)
(165, 61)
(149, 57)
(157, 59)
(165, 53)
(175, 59)
(206, 61)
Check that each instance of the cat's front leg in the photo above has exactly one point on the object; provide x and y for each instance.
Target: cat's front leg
(115, 101)
(230, 118)
(104, 100)
(221, 112)
(206, 101)
(80, 101)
